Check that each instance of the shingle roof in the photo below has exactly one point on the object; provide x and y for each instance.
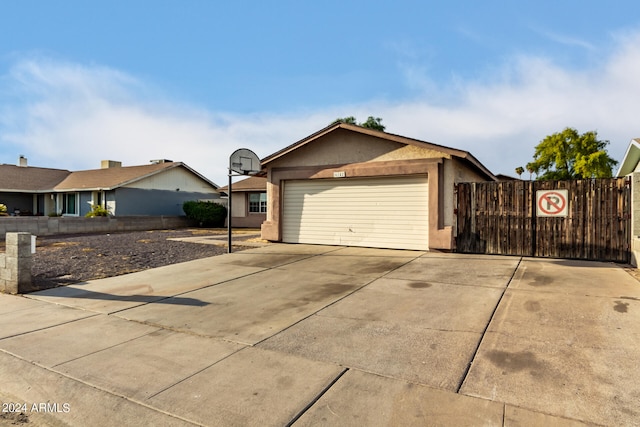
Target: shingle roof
(461, 154)
(109, 178)
(34, 179)
(254, 183)
(20, 178)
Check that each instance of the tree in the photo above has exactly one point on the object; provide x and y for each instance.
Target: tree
(348, 120)
(569, 155)
(374, 123)
(519, 171)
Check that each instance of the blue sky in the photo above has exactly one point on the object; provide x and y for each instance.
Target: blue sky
(195, 80)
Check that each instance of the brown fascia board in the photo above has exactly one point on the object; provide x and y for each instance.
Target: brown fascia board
(299, 143)
(465, 155)
(476, 163)
(242, 189)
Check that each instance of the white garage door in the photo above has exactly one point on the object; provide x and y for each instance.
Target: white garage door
(371, 212)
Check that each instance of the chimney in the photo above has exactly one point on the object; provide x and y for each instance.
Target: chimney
(22, 161)
(107, 164)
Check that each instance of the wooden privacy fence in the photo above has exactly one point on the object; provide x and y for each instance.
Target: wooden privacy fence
(584, 219)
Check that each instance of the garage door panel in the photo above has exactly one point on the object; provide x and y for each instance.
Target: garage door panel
(374, 212)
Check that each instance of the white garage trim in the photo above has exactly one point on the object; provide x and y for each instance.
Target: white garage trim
(387, 212)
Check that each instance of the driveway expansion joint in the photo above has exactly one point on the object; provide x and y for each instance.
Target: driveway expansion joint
(315, 399)
(486, 329)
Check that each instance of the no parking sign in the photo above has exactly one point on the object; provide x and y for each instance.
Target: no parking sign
(552, 203)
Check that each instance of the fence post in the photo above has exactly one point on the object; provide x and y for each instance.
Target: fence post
(534, 208)
(16, 274)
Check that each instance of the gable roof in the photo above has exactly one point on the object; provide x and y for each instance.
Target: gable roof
(631, 158)
(34, 179)
(461, 154)
(26, 178)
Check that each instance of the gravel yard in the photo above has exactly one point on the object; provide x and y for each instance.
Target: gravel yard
(62, 260)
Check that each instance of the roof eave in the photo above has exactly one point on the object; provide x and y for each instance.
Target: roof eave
(388, 136)
(630, 159)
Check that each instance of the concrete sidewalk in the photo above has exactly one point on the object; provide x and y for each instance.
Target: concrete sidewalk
(308, 335)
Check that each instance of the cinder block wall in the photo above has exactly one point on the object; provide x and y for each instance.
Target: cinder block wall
(49, 226)
(15, 264)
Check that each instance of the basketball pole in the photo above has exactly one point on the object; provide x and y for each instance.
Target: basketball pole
(229, 214)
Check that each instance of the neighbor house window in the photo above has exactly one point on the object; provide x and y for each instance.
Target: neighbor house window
(257, 202)
(69, 204)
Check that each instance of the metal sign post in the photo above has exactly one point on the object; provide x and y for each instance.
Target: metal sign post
(243, 162)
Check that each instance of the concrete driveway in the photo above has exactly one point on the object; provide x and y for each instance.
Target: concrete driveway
(322, 335)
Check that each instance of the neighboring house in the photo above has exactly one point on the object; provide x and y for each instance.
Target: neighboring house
(503, 177)
(248, 202)
(159, 188)
(630, 162)
(348, 185)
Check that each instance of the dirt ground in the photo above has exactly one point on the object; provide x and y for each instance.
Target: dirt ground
(63, 260)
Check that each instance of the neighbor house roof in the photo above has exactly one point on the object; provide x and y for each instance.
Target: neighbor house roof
(26, 178)
(254, 183)
(631, 158)
(35, 179)
(461, 154)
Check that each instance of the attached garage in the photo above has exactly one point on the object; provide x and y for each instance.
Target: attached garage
(352, 186)
(388, 212)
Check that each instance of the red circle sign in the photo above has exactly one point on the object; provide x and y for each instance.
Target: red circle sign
(552, 203)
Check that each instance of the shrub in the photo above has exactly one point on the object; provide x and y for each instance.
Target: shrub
(206, 214)
(97, 210)
(3, 210)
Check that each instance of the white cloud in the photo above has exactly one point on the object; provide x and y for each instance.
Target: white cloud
(500, 120)
(566, 39)
(71, 116)
(75, 116)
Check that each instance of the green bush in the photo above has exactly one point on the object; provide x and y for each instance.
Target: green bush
(97, 210)
(206, 214)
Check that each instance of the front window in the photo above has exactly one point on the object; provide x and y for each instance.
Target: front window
(257, 202)
(69, 201)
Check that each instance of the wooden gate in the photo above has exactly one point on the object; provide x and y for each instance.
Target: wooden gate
(500, 218)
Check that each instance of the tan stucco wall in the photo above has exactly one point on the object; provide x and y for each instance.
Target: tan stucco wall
(440, 236)
(343, 146)
(361, 155)
(239, 205)
(241, 217)
(455, 171)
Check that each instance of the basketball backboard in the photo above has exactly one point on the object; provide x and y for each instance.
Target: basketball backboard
(244, 162)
